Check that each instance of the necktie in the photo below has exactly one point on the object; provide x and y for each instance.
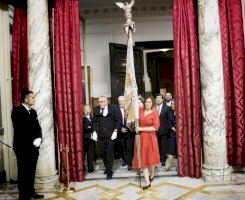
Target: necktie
(102, 111)
(159, 110)
(122, 113)
(125, 119)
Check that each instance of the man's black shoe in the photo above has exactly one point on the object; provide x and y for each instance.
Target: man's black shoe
(24, 198)
(109, 176)
(13, 181)
(106, 172)
(37, 196)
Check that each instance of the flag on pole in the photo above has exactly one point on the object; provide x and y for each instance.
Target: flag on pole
(131, 89)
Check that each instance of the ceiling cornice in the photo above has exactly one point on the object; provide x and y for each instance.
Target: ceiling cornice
(116, 14)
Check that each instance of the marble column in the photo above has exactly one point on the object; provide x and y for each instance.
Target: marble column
(40, 83)
(215, 167)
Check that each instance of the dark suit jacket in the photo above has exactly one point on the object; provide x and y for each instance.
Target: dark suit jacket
(121, 125)
(26, 129)
(105, 125)
(86, 130)
(166, 117)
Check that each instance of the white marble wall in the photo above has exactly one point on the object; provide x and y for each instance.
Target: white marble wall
(215, 167)
(40, 83)
(98, 36)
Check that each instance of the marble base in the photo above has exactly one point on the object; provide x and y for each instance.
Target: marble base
(47, 184)
(238, 169)
(217, 173)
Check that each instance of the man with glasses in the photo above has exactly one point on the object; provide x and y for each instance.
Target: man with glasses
(166, 117)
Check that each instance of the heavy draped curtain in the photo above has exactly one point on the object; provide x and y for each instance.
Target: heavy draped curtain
(68, 86)
(19, 56)
(231, 24)
(187, 89)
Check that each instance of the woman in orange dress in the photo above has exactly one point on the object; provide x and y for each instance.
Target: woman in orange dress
(149, 152)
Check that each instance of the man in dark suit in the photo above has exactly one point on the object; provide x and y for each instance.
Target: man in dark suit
(124, 133)
(27, 140)
(165, 116)
(105, 126)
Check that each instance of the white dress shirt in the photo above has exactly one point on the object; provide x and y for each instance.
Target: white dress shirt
(159, 109)
(122, 111)
(105, 111)
(27, 108)
(169, 103)
(88, 117)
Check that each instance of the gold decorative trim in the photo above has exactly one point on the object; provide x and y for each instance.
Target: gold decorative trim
(151, 193)
(190, 193)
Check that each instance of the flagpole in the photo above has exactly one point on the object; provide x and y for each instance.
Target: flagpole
(133, 93)
(137, 139)
(131, 89)
(129, 29)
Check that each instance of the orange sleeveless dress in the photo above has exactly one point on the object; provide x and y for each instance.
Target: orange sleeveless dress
(149, 151)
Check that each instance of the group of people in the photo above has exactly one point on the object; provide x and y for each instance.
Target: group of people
(107, 126)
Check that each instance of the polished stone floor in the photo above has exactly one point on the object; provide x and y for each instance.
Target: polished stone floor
(125, 186)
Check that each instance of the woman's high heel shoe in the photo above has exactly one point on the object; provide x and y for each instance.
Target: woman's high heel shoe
(151, 179)
(146, 187)
(169, 164)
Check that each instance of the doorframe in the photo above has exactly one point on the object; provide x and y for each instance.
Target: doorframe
(117, 74)
(148, 86)
(10, 165)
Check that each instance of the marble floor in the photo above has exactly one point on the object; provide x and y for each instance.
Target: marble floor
(126, 187)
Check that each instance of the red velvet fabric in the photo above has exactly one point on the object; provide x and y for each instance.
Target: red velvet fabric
(234, 78)
(68, 86)
(187, 89)
(19, 56)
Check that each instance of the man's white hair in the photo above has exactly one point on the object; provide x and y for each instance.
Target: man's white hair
(120, 98)
(102, 97)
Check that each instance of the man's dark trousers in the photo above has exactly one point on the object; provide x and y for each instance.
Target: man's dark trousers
(106, 146)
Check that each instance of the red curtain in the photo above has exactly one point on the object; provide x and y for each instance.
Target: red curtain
(187, 89)
(68, 86)
(234, 78)
(19, 57)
